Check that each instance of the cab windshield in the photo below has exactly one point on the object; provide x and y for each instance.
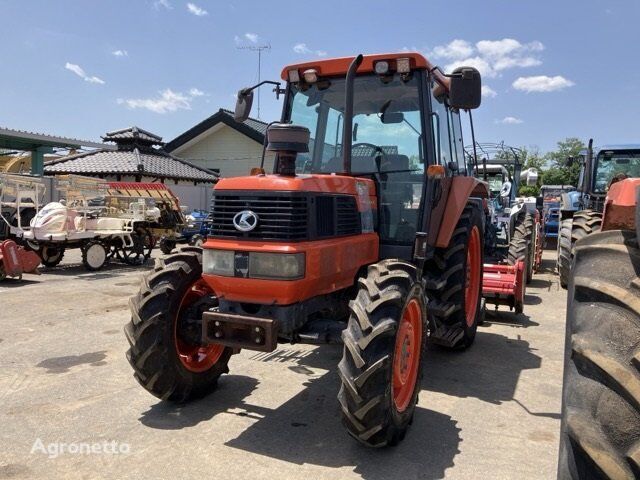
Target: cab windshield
(387, 128)
(387, 142)
(613, 164)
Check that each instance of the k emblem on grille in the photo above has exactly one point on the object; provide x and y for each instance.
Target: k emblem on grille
(245, 221)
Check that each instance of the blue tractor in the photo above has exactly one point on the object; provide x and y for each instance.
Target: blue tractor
(551, 196)
(581, 211)
(194, 233)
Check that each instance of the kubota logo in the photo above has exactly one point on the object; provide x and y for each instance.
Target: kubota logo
(245, 221)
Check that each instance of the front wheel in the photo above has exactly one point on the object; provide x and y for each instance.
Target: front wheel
(165, 356)
(381, 365)
(51, 255)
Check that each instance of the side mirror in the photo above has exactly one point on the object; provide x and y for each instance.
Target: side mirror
(243, 105)
(354, 136)
(392, 117)
(465, 90)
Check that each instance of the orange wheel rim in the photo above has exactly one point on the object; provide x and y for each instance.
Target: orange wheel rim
(195, 358)
(473, 277)
(406, 358)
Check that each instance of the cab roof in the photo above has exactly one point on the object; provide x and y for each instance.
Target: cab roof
(339, 66)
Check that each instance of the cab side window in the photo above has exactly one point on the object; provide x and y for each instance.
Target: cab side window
(440, 126)
(457, 145)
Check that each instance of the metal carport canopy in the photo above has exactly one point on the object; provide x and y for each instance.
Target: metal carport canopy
(39, 144)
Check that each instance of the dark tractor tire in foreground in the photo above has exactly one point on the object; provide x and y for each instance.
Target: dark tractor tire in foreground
(165, 362)
(600, 435)
(454, 283)
(565, 247)
(381, 365)
(50, 255)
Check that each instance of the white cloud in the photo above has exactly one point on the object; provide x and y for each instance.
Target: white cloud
(490, 57)
(488, 92)
(542, 83)
(510, 121)
(252, 37)
(78, 70)
(120, 53)
(457, 49)
(162, 3)
(483, 66)
(196, 10)
(302, 49)
(168, 101)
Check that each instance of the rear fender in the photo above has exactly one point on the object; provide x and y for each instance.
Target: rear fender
(460, 190)
(620, 209)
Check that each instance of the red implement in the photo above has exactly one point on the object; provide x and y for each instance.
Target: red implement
(15, 260)
(505, 285)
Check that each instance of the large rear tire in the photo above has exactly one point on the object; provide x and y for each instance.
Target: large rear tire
(165, 362)
(383, 344)
(454, 282)
(600, 436)
(565, 247)
(585, 222)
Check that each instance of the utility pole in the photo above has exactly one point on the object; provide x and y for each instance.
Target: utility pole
(259, 49)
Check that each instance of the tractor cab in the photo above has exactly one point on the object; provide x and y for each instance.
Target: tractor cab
(600, 168)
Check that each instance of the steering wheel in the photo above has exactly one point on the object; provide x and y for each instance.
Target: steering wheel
(373, 147)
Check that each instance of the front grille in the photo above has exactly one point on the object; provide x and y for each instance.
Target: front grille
(279, 218)
(285, 216)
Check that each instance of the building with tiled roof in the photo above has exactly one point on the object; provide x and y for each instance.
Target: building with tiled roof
(139, 156)
(222, 144)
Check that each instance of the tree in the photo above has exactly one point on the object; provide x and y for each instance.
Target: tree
(557, 176)
(568, 174)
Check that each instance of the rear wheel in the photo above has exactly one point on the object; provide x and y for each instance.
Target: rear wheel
(563, 263)
(166, 359)
(454, 283)
(600, 434)
(51, 255)
(383, 344)
(585, 222)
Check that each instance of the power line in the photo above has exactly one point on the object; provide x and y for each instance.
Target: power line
(259, 49)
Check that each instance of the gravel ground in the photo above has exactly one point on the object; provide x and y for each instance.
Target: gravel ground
(489, 412)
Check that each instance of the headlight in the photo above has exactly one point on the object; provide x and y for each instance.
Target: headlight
(285, 266)
(218, 262)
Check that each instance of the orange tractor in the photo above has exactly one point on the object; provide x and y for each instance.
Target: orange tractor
(600, 436)
(368, 232)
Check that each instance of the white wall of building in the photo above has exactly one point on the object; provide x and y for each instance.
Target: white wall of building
(225, 149)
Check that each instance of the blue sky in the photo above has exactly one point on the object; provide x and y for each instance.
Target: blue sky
(81, 68)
